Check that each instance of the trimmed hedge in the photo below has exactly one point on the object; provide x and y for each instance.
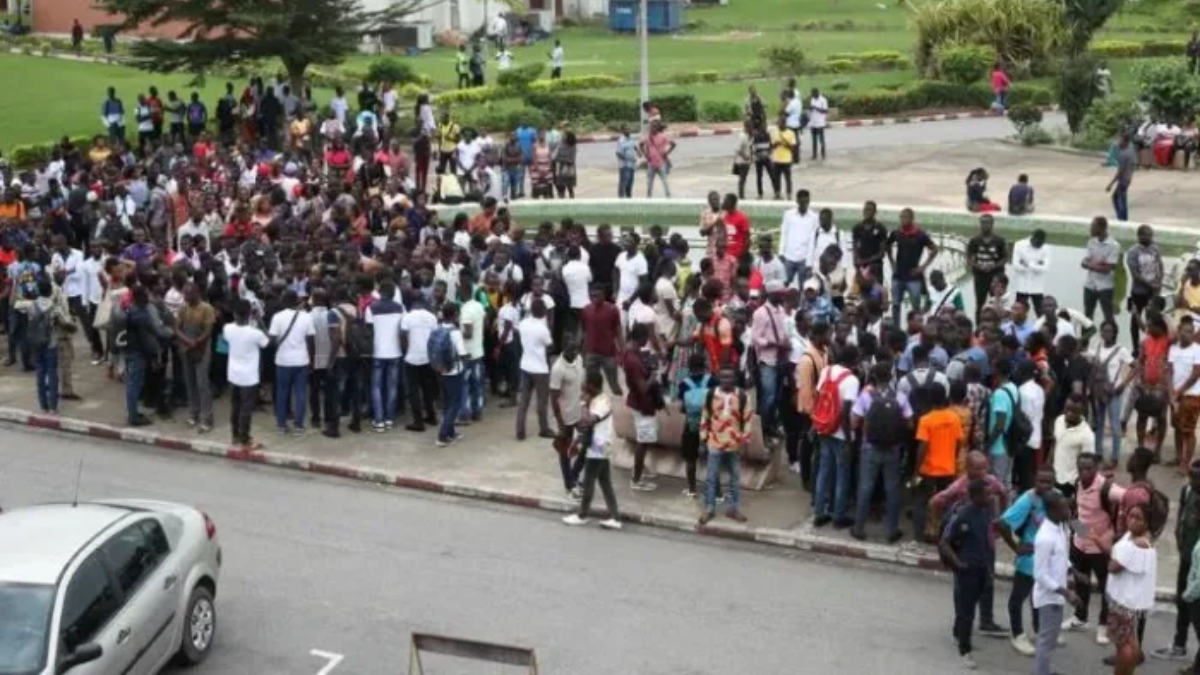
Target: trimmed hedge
(1126, 49)
(576, 83)
(696, 77)
(470, 96)
(720, 111)
(502, 121)
(29, 156)
(566, 107)
(931, 94)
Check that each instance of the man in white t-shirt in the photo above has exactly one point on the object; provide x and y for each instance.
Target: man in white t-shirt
(666, 305)
(577, 276)
(472, 319)
(294, 335)
(818, 119)
(384, 316)
(422, 382)
(556, 60)
(1184, 362)
(793, 111)
(246, 343)
(632, 269)
(535, 369)
(452, 377)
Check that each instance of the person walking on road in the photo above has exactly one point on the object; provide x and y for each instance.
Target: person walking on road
(966, 547)
(594, 438)
(246, 343)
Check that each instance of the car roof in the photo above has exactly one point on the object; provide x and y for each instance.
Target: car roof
(38, 542)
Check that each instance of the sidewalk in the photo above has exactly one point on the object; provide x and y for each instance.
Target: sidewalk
(488, 464)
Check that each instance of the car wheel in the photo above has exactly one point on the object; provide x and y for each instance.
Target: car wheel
(199, 626)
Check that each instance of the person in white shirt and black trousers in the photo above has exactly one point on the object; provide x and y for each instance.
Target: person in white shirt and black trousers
(1051, 568)
(818, 120)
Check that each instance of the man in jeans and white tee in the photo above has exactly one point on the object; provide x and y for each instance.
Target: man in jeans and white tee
(294, 334)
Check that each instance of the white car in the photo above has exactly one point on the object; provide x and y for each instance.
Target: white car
(106, 588)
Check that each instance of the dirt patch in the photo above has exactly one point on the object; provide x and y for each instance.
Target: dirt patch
(740, 35)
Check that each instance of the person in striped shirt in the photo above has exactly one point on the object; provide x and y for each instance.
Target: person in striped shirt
(725, 430)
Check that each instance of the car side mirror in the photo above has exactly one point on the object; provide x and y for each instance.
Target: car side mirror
(84, 653)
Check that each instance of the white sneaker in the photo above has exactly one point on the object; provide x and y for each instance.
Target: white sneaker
(795, 467)
(611, 524)
(1102, 636)
(968, 662)
(574, 519)
(1074, 624)
(643, 486)
(1061, 641)
(1022, 645)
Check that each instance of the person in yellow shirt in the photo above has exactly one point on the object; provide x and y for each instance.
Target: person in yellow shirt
(300, 131)
(783, 142)
(448, 134)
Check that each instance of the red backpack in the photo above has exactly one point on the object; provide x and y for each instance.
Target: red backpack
(827, 410)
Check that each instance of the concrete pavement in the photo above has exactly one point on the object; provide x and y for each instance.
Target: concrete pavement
(314, 563)
(489, 464)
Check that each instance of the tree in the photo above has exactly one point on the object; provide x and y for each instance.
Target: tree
(1077, 77)
(299, 33)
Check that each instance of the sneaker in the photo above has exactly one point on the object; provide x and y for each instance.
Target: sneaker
(389, 424)
(642, 486)
(822, 521)
(1171, 653)
(1061, 641)
(574, 519)
(968, 662)
(378, 428)
(299, 432)
(575, 493)
(1102, 636)
(204, 428)
(794, 467)
(993, 629)
(442, 442)
(649, 475)
(455, 438)
(689, 494)
(611, 524)
(1022, 645)
(1074, 624)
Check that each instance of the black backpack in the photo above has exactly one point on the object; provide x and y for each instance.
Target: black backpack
(40, 328)
(884, 424)
(360, 337)
(1020, 429)
(920, 393)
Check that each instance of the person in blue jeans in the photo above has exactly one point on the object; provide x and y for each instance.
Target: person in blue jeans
(725, 431)
(1119, 185)
(452, 379)
(627, 158)
(884, 416)
(1018, 526)
(294, 335)
(832, 499)
(906, 245)
(145, 337)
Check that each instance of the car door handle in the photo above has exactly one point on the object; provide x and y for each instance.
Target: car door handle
(123, 636)
(169, 582)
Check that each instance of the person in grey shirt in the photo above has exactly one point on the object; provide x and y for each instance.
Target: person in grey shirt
(1103, 254)
(1119, 185)
(769, 265)
(1145, 264)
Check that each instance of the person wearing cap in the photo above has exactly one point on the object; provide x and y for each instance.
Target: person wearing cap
(817, 304)
(769, 337)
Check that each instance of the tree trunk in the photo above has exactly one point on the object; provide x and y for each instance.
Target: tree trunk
(295, 72)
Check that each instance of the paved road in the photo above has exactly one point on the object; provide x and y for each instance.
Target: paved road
(720, 147)
(314, 563)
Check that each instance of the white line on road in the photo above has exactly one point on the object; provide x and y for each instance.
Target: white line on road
(332, 658)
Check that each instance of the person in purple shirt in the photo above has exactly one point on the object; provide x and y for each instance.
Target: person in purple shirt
(140, 251)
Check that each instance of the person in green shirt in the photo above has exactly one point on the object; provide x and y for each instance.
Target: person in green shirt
(462, 67)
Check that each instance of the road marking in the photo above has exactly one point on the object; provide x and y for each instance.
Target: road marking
(332, 658)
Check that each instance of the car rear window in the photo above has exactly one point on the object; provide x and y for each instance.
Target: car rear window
(24, 624)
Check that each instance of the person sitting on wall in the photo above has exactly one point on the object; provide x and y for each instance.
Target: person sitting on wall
(1020, 197)
(977, 201)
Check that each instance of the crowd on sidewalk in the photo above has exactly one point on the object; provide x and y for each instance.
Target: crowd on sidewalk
(324, 285)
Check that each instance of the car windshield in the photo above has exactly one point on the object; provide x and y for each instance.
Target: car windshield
(24, 622)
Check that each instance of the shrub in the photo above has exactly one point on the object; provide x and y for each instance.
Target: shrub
(28, 156)
(567, 107)
(783, 60)
(468, 96)
(1168, 89)
(1025, 34)
(1077, 89)
(390, 70)
(411, 91)
(872, 103)
(521, 77)
(964, 64)
(720, 111)
(489, 118)
(1024, 116)
(1104, 120)
(841, 66)
(874, 60)
(1035, 135)
(576, 83)
(1164, 47)
(839, 85)
(1031, 94)
(696, 77)
(1116, 49)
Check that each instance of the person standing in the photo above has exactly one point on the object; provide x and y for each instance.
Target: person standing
(643, 400)
(1145, 264)
(246, 343)
(194, 329)
(1001, 83)
(1096, 500)
(627, 158)
(768, 335)
(536, 342)
(1103, 255)
(421, 381)
(1119, 185)
(987, 253)
(556, 60)
(966, 547)
(939, 433)
(725, 431)
(566, 402)
(385, 316)
(323, 359)
(594, 440)
(47, 322)
(448, 340)
(832, 490)
(145, 338)
(884, 417)
(1052, 565)
(905, 247)
(1031, 262)
(783, 151)
(818, 120)
(870, 241)
(798, 232)
(293, 335)
(1072, 438)
(1187, 580)
(657, 149)
(793, 121)
(1183, 361)
(1018, 526)
(472, 321)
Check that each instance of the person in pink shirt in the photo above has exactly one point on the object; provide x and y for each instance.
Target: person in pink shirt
(1000, 84)
(1097, 500)
(657, 149)
(768, 333)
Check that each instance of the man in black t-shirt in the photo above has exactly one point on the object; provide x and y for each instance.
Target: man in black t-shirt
(904, 248)
(870, 239)
(987, 253)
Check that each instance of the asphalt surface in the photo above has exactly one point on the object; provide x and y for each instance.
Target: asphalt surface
(706, 148)
(350, 571)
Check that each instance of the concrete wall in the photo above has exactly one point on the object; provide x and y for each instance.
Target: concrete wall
(56, 16)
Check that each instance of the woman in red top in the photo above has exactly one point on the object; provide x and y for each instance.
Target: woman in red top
(1000, 84)
(737, 227)
(1149, 394)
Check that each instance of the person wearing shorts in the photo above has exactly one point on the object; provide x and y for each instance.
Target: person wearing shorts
(642, 400)
(1184, 364)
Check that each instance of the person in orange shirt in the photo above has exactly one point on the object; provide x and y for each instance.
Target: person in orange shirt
(11, 207)
(939, 433)
(481, 223)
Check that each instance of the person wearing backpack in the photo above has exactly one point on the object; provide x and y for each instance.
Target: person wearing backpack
(836, 392)
(44, 327)
(966, 547)
(384, 316)
(1095, 504)
(1018, 527)
(693, 394)
(446, 353)
(725, 431)
(884, 417)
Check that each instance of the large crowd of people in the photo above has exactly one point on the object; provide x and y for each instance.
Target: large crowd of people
(308, 273)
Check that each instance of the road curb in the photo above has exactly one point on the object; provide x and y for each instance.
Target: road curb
(803, 541)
